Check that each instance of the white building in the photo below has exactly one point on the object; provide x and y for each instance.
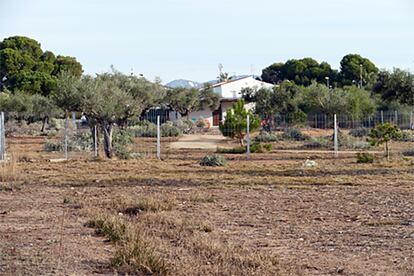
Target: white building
(230, 93)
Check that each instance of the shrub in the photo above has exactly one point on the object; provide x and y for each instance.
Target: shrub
(169, 130)
(236, 150)
(185, 126)
(81, 141)
(213, 161)
(266, 137)
(256, 148)
(409, 152)
(406, 136)
(318, 142)
(201, 123)
(136, 256)
(294, 134)
(112, 228)
(364, 157)
(148, 129)
(268, 147)
(361, 145)
(121, 140)
(359, 132)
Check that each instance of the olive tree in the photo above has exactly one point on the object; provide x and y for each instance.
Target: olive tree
(383, 134)
(235, 123)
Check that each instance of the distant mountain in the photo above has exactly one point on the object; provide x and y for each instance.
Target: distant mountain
(181, 83)
(184, 84)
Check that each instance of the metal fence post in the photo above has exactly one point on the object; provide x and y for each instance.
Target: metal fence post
(158, 138)
(95, 140)
(2, 138)
(335, 137)
(66, 137)
(74, 120)
(248, 137)
(396, 117)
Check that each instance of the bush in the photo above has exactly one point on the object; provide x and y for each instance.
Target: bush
(359, 132)
(148, 129)
(365, 157)
(268, 147)
(361, 145)
(319, 142)
(201, 123)
(294, 134)
(81, 141)
(236, 150)
(406, 136)
(121, 140)
(169, 130)
(213, 161)
(266, 137)
(185, 126)
(409, 152)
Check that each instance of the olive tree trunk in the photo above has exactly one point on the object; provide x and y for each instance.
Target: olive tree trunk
(107, 129)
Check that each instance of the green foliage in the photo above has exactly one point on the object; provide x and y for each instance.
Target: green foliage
(294, 134)
(213, 161)
(301, 71)
(359, 132)
(81, 141)
(148, 129)
(121, 140)
(383, 134)
(187, 100)
(260, 148)
(268, 147)
(397, 85)
(267, 137)
(235, 150)
(363, 157)
(351, 67)
(318, 142)
(24, 66)
(235, 124)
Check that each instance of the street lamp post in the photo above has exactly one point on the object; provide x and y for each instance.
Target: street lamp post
(360, 76)
(327, 81)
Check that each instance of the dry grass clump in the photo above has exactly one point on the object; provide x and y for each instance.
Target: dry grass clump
(9, 172)
(135, 205)
(135, 252)
(138, 255)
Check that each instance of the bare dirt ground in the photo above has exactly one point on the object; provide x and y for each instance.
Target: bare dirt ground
(196, 141)
(265, 216)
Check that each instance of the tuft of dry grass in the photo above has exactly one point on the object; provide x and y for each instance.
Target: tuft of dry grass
(9, 171)
(135, 205)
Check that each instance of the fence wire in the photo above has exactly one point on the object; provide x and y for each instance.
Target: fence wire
(155, 135)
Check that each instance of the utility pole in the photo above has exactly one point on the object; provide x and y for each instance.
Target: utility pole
(327, 81)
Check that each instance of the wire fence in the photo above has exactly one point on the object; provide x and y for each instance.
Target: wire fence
(156, 136)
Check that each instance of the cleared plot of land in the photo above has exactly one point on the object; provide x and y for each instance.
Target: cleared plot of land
(196, 141)
(268, 216)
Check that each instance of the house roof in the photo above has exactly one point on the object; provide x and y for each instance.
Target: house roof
(230, 81)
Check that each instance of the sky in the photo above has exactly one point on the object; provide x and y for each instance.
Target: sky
(188, 39)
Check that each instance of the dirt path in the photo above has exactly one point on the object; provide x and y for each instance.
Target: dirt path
(195, 141)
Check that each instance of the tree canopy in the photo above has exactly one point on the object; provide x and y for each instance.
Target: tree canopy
(25, 67)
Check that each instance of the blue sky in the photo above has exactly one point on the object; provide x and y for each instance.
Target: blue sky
(187, 39)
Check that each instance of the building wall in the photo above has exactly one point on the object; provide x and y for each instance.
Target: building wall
(206, 113)
(231, 90)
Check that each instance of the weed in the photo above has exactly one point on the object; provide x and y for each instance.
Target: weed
(213, 161)
(363, 157)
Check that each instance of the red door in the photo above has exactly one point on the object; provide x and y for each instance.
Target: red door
(216, 117)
